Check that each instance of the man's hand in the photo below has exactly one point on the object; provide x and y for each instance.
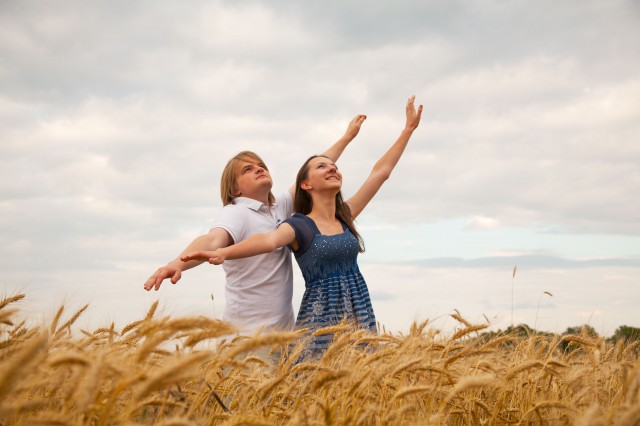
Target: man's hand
(167, 271)
(216, 238)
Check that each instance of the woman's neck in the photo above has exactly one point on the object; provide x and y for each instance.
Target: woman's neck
(324, 208)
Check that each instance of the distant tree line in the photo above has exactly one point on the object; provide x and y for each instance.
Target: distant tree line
(626, 334)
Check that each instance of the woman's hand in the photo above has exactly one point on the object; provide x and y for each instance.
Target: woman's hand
(413, 116)
(354, 126)
(215, 257)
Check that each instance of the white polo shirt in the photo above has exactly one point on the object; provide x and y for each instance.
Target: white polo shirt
(259, 289)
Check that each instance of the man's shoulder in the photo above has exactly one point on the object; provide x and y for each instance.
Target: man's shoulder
(283, 197)
(232, 218)
(284, 204)
(229, 209)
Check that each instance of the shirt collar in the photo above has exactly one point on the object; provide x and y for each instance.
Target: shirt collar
(248, 202)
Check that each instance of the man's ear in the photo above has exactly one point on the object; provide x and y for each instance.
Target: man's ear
(236, 192)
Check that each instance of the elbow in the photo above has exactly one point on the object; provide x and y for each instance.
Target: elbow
(383, 174)
(270, 245)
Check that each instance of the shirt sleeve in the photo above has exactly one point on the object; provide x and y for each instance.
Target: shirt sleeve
(232, 219)
(304, 233)
(285, 204)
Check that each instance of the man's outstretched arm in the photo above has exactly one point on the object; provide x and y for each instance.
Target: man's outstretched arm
(215, 239)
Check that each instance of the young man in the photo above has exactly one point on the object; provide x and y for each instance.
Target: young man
(259, 289)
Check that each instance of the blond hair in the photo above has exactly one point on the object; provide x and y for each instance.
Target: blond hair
(229, 179)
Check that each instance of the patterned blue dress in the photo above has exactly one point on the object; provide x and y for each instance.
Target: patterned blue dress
(335, 288)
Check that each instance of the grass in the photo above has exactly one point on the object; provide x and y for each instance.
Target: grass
(156, 371)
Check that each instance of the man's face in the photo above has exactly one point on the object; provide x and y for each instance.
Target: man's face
(253, 180)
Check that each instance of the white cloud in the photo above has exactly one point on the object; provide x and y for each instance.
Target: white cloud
(252, 27)
(481, 222)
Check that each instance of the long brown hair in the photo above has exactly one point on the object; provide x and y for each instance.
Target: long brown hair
(303, 203)
(229, 179)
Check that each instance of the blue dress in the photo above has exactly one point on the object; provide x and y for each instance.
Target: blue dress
(335, 288)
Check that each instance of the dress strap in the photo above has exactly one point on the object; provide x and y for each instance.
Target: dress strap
(312, 223)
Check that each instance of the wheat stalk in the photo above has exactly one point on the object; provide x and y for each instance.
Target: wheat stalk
(12, 299)
(179, 370)
(410, 390)
(469, 329)
(19, 362)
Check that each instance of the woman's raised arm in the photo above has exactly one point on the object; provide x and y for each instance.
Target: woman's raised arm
(335, 151)
(383, 168)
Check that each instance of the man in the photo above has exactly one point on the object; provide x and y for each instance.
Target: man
(259, 289)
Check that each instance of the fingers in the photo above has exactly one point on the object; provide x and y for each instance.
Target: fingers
(191, 256)
(410, 101)
(149, 283)
(154, 280)
(176, 277)
(357, 121)
(411, 109)
(159, 277)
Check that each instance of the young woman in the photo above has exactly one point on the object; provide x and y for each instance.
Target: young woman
(324, 240)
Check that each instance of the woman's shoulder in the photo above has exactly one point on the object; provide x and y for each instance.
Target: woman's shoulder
(305, 230)
(297, 220)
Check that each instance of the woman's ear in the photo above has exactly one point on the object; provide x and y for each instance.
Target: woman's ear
(236, 192)
(305, 185)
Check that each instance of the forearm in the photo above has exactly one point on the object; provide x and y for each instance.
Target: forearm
(252, 246)
(385, 165)
(388, 161)
(335, 151)
(217, 238)
(199, 243)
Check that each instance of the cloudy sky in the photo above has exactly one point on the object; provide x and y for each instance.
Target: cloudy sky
(116, 119)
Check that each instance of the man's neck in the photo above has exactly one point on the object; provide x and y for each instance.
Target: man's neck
(263, 199)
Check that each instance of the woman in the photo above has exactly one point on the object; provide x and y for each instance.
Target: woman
(324, 240)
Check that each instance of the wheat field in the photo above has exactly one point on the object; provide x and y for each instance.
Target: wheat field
(166, 371)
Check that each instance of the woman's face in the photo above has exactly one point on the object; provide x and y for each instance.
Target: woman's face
(323, 174)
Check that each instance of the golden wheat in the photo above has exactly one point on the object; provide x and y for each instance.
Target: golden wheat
(151, 372)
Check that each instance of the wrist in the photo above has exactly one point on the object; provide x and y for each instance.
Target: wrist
(346, 139)
(176, 264)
